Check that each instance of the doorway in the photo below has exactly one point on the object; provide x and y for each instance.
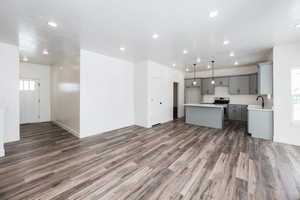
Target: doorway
(175, 100)
(29, 101)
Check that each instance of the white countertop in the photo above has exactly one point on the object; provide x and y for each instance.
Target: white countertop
(207, 105)
(259, 108)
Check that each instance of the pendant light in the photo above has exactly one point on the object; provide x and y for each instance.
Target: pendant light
(194, 81)
(213, 72)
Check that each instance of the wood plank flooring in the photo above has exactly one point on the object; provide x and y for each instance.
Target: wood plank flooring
(171, 161)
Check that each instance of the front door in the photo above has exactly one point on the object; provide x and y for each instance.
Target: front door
(29, 101)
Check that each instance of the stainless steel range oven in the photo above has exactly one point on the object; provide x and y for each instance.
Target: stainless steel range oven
(223, 101)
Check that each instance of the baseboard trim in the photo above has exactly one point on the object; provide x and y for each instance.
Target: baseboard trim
(67, 128)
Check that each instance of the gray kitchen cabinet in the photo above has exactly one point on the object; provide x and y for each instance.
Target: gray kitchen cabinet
(260, 123)
(253, 84)
(207, 88)
(198, 82)
(238, 112)
(234, 112)
(244, 113)
(265, 78)
(239, 84)
(189, 82)
(222, 81)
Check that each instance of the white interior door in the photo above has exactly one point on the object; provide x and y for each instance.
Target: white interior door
(29, 101)
(156, 101)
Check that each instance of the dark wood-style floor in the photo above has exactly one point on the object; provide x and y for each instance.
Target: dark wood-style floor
(170, 161)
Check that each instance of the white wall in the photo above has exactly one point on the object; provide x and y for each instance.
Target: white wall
(107, 93)
(144, 71)
(65, 96)
(236, 99)
(141, 94)
(168, 77)
(286, 57)
(2, 152)
(42, 73)
(9, 90)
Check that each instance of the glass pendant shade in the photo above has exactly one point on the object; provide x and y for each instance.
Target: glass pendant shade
(213, 72)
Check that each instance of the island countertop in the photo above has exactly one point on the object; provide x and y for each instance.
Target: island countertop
(207, 105)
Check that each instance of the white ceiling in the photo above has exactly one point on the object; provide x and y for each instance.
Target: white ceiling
(252, 26)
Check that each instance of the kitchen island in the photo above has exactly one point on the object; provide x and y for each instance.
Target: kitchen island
(208, 115)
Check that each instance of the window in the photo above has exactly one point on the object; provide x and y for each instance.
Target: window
(31, 85)
(296, 94)
(27, 85)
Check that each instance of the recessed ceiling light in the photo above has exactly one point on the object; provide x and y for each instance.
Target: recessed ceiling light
(45, 52)
(185, 51)
(236, 63)
(25, 59)
(198, 60)
(213, 14)
(297, 25)
(155, 36)
(226, 42)
(187, 69)
(122, 48)
(174, 65)
(231, 54)
(52, 24)
(208, 66)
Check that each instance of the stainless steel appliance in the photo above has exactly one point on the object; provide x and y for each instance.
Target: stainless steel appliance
(223, 101)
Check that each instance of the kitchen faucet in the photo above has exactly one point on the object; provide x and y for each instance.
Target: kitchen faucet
(263, 101)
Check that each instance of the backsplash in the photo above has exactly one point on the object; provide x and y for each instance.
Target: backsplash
(236, 99)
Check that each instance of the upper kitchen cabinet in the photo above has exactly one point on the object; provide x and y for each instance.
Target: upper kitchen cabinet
(207, 87)
(253, 84)
(239, 85)
(222, 81)
(198, 82)
(189, 82)
(265, 78)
